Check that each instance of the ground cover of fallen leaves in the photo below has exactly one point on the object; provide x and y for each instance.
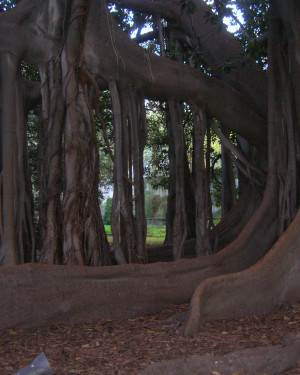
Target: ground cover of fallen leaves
(126, 347)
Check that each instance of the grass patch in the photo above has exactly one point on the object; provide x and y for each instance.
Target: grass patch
(155, 235)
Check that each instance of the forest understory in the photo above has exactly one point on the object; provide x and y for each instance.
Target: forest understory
(128, 346)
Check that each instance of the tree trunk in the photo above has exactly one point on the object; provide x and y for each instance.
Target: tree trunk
(189, 192)
(277, 275)
(9, 65)
(138, 143)
(51, 160)
(200, 125)
(17, 238)
(84, 240)
(179, 223)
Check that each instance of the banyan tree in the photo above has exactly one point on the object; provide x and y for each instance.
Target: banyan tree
(248, 263)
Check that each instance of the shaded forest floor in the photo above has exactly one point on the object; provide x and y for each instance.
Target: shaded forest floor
(128, 346)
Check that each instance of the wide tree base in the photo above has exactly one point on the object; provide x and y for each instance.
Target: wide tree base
(33, 295)
(271, 282)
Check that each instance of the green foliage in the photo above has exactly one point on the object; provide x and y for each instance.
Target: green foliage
(107, 211)
(105, 162)
(250, 17)
(29, 72)
(130, 21)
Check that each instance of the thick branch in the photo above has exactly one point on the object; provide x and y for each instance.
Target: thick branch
(161, 78)
(217, 45)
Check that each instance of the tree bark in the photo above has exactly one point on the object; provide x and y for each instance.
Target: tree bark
(51, 161)
(84, 239)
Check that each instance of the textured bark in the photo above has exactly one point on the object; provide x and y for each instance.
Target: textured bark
(50, 166)
(50, 170)
(84, 239)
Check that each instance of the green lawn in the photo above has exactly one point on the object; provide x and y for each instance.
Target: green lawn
(155, 235)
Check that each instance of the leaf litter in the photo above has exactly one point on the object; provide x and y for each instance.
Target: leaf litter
(126, 347)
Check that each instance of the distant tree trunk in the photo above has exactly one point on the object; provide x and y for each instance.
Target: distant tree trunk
(201, 207)
(189, 192)
(128, 218)
(180, 219)
(119, 206)
(138, 134)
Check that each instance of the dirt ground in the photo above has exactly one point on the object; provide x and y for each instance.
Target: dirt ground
(126, 347)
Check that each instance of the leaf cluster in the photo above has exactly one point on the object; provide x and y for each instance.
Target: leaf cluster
(7, 4)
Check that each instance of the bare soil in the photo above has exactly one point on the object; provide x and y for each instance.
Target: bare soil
(127, 346)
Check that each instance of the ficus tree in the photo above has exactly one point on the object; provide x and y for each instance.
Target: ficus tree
(79, 50)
